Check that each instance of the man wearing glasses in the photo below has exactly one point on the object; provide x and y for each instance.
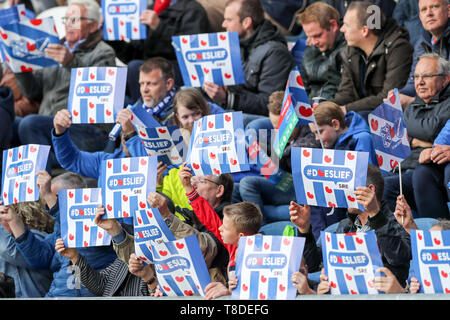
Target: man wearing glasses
(424, 118)
(81, 47)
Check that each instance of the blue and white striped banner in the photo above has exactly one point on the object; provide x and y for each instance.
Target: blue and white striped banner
(20, 166)
(218, 145)
(350, 261)
(159, 141)
(122, 20)
(213, 57)
(264, 267)
(96, 94)
(141, 117)
(126, 183)
(431, 260)
(13, 14)
(23, 44)
(149, 228)
(390, 139)
(328, 177)
(78, 208)
(180, 267)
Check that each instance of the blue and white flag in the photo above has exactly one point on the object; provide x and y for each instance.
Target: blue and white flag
(122, 20)
(350, 261)
(328, 177)
(261, 162)
(141, 117)
(218, 145)
(20, 166)
(13, 14)
(78, 208)
(126, 183)
(164, 142)
(390, 139)
(149, 228)
(264, 267)
(213, 57)
(96, 94)
(431, 260)
(23, 44)
(180, 267)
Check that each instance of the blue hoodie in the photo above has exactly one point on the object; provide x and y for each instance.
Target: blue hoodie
(357, 137)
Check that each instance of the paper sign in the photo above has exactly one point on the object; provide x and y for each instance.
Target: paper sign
(126, 184)
(78, 208)
(20, 166)
(159, 141)
(23, 44)
(96, 94)
(218, 145)
(328, 177)
(122, 19)
(213, 57)
(180, 267)
(431, 260)
(350, 261)
(13, 14)
(149, 228)
(264, 267)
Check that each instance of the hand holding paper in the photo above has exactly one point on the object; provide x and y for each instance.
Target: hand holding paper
(215, 92)
(324, 286)
(9, 217)
(59, 53)
(150, 18)
(300, 216)
(62, 121)
(185, 177)
(139, 269)
(112, 226)
(124, 119)
(387, 284)
(367, 198)
(404, 215)
(44, 183)
(155, 200)
(69, 253)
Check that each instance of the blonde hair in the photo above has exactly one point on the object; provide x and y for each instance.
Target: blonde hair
(246, 217)
(320, 13)
(191, 99)
(34, 215)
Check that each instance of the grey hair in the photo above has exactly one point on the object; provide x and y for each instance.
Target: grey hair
(70, 180)
(443, 224)
(443, 64)
(93, 10)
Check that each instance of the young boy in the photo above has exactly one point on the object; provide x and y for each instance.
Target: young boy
(239, 219)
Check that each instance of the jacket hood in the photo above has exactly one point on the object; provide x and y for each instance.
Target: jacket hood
(356, 124)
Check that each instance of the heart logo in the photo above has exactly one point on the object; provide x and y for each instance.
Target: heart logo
(142, 133)
(305, 112)
(282, 288)
(203, 43)
(350, 198)
(328, 159)
(187, 292)
(259, 261)
(196, 166)
(122, 23)
(227, 118)
(184, 40)
(392, 99)
(85, 243)
(350, 156)
(86, 228)
(125, 214)
(5, 195)
(143, 162)
(166, 288)
(150, 214)
(29, 190)
(444, 274)
(392, 131)
(332, 284)
(36, 22)
(216, 171)
(179, 245)
(139, 220)
(108, 207)
(310, 195)
(81, 212)
(380, 159)
(193, 77)
(4, 35)
(233, 161)
(262, 296)
(244, 287)
(419, 236)
(91, 105)
(109, 164)
(306, 153)
(328, 190)
(162, 130)
(341, 245)
(140, 235)
(328, 238)
(179, 279)
(331, 204)
(300, 80)
(163, 253)
(142, 205)
(222, 37)
(210, 124)
(108, 113)
(359, 241)
(393, 163)
(91, 120)
(438, 242)
(349, 277)
(212, 155)
(124, 167)
(320, 173)
(249, 241)
(15, 200)
(87, 90)
(31, 47)
(135, 29)
(286, 242)
(111, 72)
(266, 246)
(25, 69)
(228, 76)
(427, 283)
(86, 197)
(339, 259)
(206, 70)
(263, 279)
(75, 113)
(92, 76)
(353, 292)
(124, 198)
(205, 140)
(71, 237)
(374, 124)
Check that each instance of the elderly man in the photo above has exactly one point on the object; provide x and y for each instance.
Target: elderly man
(377, 58)
(266, 60)
(82, 47)
(424, 118)
(433, 15)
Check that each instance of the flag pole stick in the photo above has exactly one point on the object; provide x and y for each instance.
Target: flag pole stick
(400, 180)
(318, 132)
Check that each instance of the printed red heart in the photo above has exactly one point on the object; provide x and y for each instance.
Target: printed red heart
(179, 245)
(25, 69)
(100, 235)
(166, 288)
(4, 35)
(87, 90)
(179, 279)
(10, 154)
(350, 156)
(109, 30)
(32, 149)
(444, 274)
(328, 238)
(206, 70)
(350, 198)
(266, 246)
(320, 173)
(233, 161)
(339, 259)
(203, 43)
(143, 258)
(331, 204)
(359, 241)
(125, 214)
(85, 243)
(249, 241)
(353, 292)
(91, 120)
(380, 159)
(300, 80)
(142, 133)
(228, 76)
(188, 292)
(447, 290)
(286, 242)
(165, 267)
(142, 205)
(86, 197)
(86, 228)
(349, 277)
(393, 163)
(392, 131)
(163, 252)
(306, 153)
(419, 236)
(109, 164)
(17, 184)
(244, 287)
(5, 195)
(124, 198)
(140, 235)
(341, 245)
(22, 12)
(328, 190)
(29, 190)
(210, 124)
(81, 212)
(124, 167)
(196, 166)
(111, 72)
(370, 284)
(222, 37)
(20, 155)
(282, 288)
(149, 213)
(427, 283)
(31, 47)
(437, 241)
(122, 37)
(193, 77)
(263, 279)
(71, 237)
(227, 118)
(328, 159)
(143, 162)
(36, 22)
(332, 284)
(259, 261)
(139, 220)
(305, 112)
(434, 256)
(122, 23)
(205, 140)
(212, 155)
(162, 130)
(216, 171)
(92, 76)
(262, 296)
(108, 207)
(392, 99)
(91, 105)
(75, 113)
(199, 57)
(135, 29)
(310, 195)
(374, 124)
(184, 40)
(108, 113)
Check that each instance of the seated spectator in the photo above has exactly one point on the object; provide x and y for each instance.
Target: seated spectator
(322, 63)
(28, 283)
(81, 47)
(266, 60)
(424, 119)
(377, 59)
(434, 37)
(406, 13)
(393, 241)
(431, 178)
(41, 254)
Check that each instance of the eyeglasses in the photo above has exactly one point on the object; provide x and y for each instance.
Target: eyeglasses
(201, 180)
(427, 76)
(74, 20)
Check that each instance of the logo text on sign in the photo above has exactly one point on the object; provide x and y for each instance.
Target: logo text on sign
(172, 264)
(213, 138)
(335, 174)
(94, 89)
(83, 211)
(206, 55)
(435, 256)
(126, 181)
(266, 261)
(122, 8)
(20, 168)
(349, 260)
